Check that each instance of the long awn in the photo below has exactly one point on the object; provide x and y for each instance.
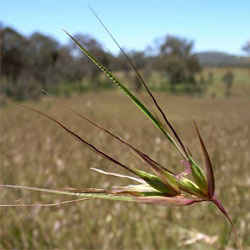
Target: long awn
(162, 186)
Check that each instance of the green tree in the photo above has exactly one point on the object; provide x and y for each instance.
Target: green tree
(178, 61)
(13, 47)
(139, 60)
(16, 80)
(210, 77)
(228, 80)
(43, 55)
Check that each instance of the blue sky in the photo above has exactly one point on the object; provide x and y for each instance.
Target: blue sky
(214, 25)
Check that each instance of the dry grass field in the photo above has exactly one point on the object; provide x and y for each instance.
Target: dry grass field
(36, 152)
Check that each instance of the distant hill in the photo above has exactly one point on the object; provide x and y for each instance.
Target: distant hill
(222, 59)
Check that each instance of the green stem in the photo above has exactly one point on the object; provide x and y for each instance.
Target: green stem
(85, 195)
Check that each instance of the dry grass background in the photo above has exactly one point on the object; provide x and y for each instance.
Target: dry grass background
(36, 152)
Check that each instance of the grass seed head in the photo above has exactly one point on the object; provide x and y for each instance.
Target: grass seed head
(163, 187)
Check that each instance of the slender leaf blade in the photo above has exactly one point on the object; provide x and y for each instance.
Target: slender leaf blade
(140, 105)
(142, 81)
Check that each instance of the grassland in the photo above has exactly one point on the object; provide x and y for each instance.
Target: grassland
(35, 152)
(240, 87)
(216, 88)
(158, 81)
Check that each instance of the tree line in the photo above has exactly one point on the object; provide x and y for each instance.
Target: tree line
(35, 62)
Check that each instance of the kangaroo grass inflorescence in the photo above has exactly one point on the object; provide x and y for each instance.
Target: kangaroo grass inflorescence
(159, 187)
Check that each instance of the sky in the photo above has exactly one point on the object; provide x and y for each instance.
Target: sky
(214, 25)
